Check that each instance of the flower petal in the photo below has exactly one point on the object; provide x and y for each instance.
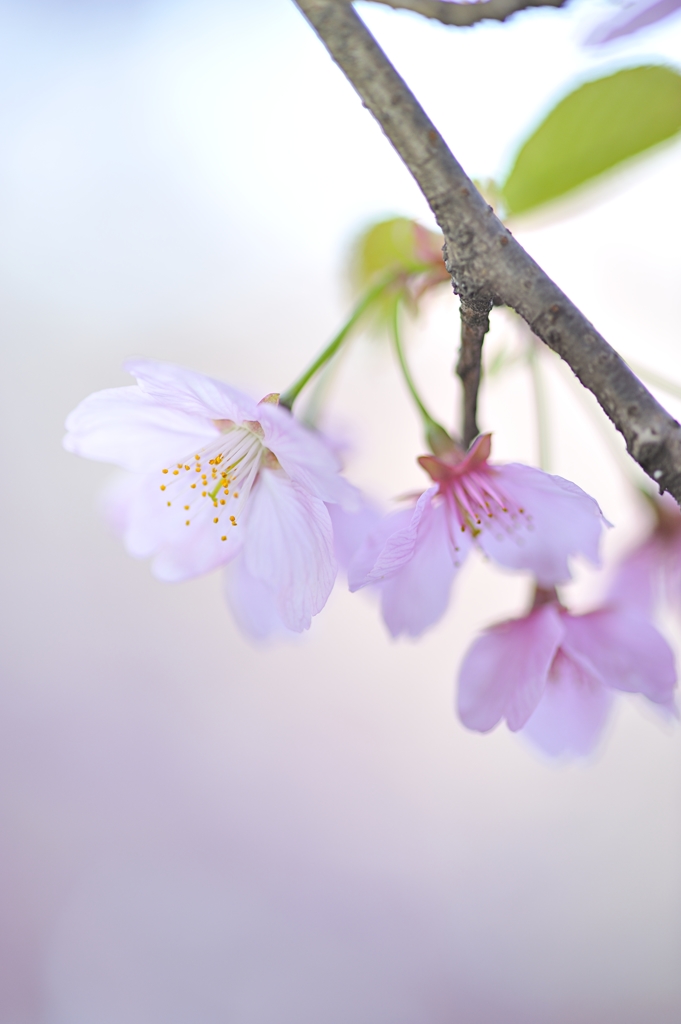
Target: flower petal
(351, 530)
(634, 584)
(130, 429)
(289, 547)
(306, 456)
(562, 521)
(416, 596)
(626, 650)
(191, 392)
(504, 673)
(252, 603)
(572, 712)
(365, 557)
(138, 511)
(400, 543)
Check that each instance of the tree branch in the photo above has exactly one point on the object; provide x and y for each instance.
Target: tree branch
(474, 327)
(483, 258)
(466, 14)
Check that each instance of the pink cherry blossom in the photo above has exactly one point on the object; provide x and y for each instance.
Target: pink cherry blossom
(218, 477)
(653, 568)
(553, 675)
(518, 516)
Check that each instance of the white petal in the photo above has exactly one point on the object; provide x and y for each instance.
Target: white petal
(130, 429)
(192, 392)
(289, 547)
(252, 603)
(151, 529)
(306, 457)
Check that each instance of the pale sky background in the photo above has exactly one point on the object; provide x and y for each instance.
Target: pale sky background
(195, 831)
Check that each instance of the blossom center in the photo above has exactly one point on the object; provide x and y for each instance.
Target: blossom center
(215, 481)
(477, 502)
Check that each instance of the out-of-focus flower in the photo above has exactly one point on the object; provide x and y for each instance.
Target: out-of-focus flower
(217, 476)
(553, 674)
(403, 253)
(653, 568)
(520, 517)
(632, 19)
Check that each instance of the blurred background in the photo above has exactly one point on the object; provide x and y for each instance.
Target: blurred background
(197, 831)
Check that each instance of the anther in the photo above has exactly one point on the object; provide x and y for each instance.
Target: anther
(186, 508)
(232, 519)
(223, 538)
(164, 470)
(163, 487)
(175, 472)
(222, 501)
(216, 520)
(169, 504)
(187, 523)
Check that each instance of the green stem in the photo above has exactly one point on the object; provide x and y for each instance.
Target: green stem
(540, 407)
(288, 397)
(436, 435)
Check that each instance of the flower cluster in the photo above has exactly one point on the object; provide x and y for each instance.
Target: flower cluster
(216, 479)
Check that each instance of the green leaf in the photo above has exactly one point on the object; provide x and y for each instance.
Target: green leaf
(388, 245)
(592, 130)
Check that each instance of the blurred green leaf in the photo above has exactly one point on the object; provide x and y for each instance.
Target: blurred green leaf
(592, 130)
(398, 245)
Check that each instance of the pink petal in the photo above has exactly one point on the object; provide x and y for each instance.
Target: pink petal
(191, 392)
(631, 20)
(130, 429)
(306, 456)
(416, 595)
(626, 650)
(289, 547)
(562, 521)
(634, 583)
(400, 545)
(252, 603)
(572, 712)
(351, 530)
(365, 557)
(504, 673)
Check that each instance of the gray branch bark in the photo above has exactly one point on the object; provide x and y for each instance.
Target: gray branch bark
(485, 261)
(466, 14)
(474, 327)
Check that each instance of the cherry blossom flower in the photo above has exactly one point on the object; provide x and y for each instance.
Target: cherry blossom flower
(218, 477)
(553, 675)
(518, 516)
(653, 568)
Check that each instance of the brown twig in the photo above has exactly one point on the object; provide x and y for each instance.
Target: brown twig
(474, 327)
(484, 260)
(466, 14)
